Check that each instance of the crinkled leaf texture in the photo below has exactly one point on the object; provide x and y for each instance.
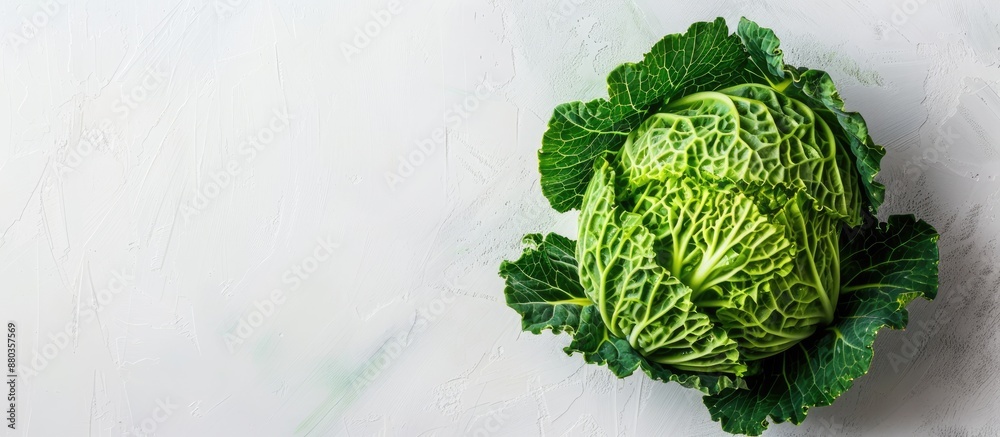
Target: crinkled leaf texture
(543, 287)
(884, 268)
(707, 57)
(816, 89)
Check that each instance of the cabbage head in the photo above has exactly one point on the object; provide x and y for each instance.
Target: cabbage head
(727, 237)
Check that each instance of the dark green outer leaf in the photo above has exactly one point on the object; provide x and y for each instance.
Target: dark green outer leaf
(706, 57)
(883, 269)
(543, 286)
(578, 133)
(763, 46)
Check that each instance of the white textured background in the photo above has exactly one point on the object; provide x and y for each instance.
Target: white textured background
(386, 179)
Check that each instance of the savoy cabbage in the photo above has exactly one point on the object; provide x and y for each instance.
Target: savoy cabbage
(727, 237)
